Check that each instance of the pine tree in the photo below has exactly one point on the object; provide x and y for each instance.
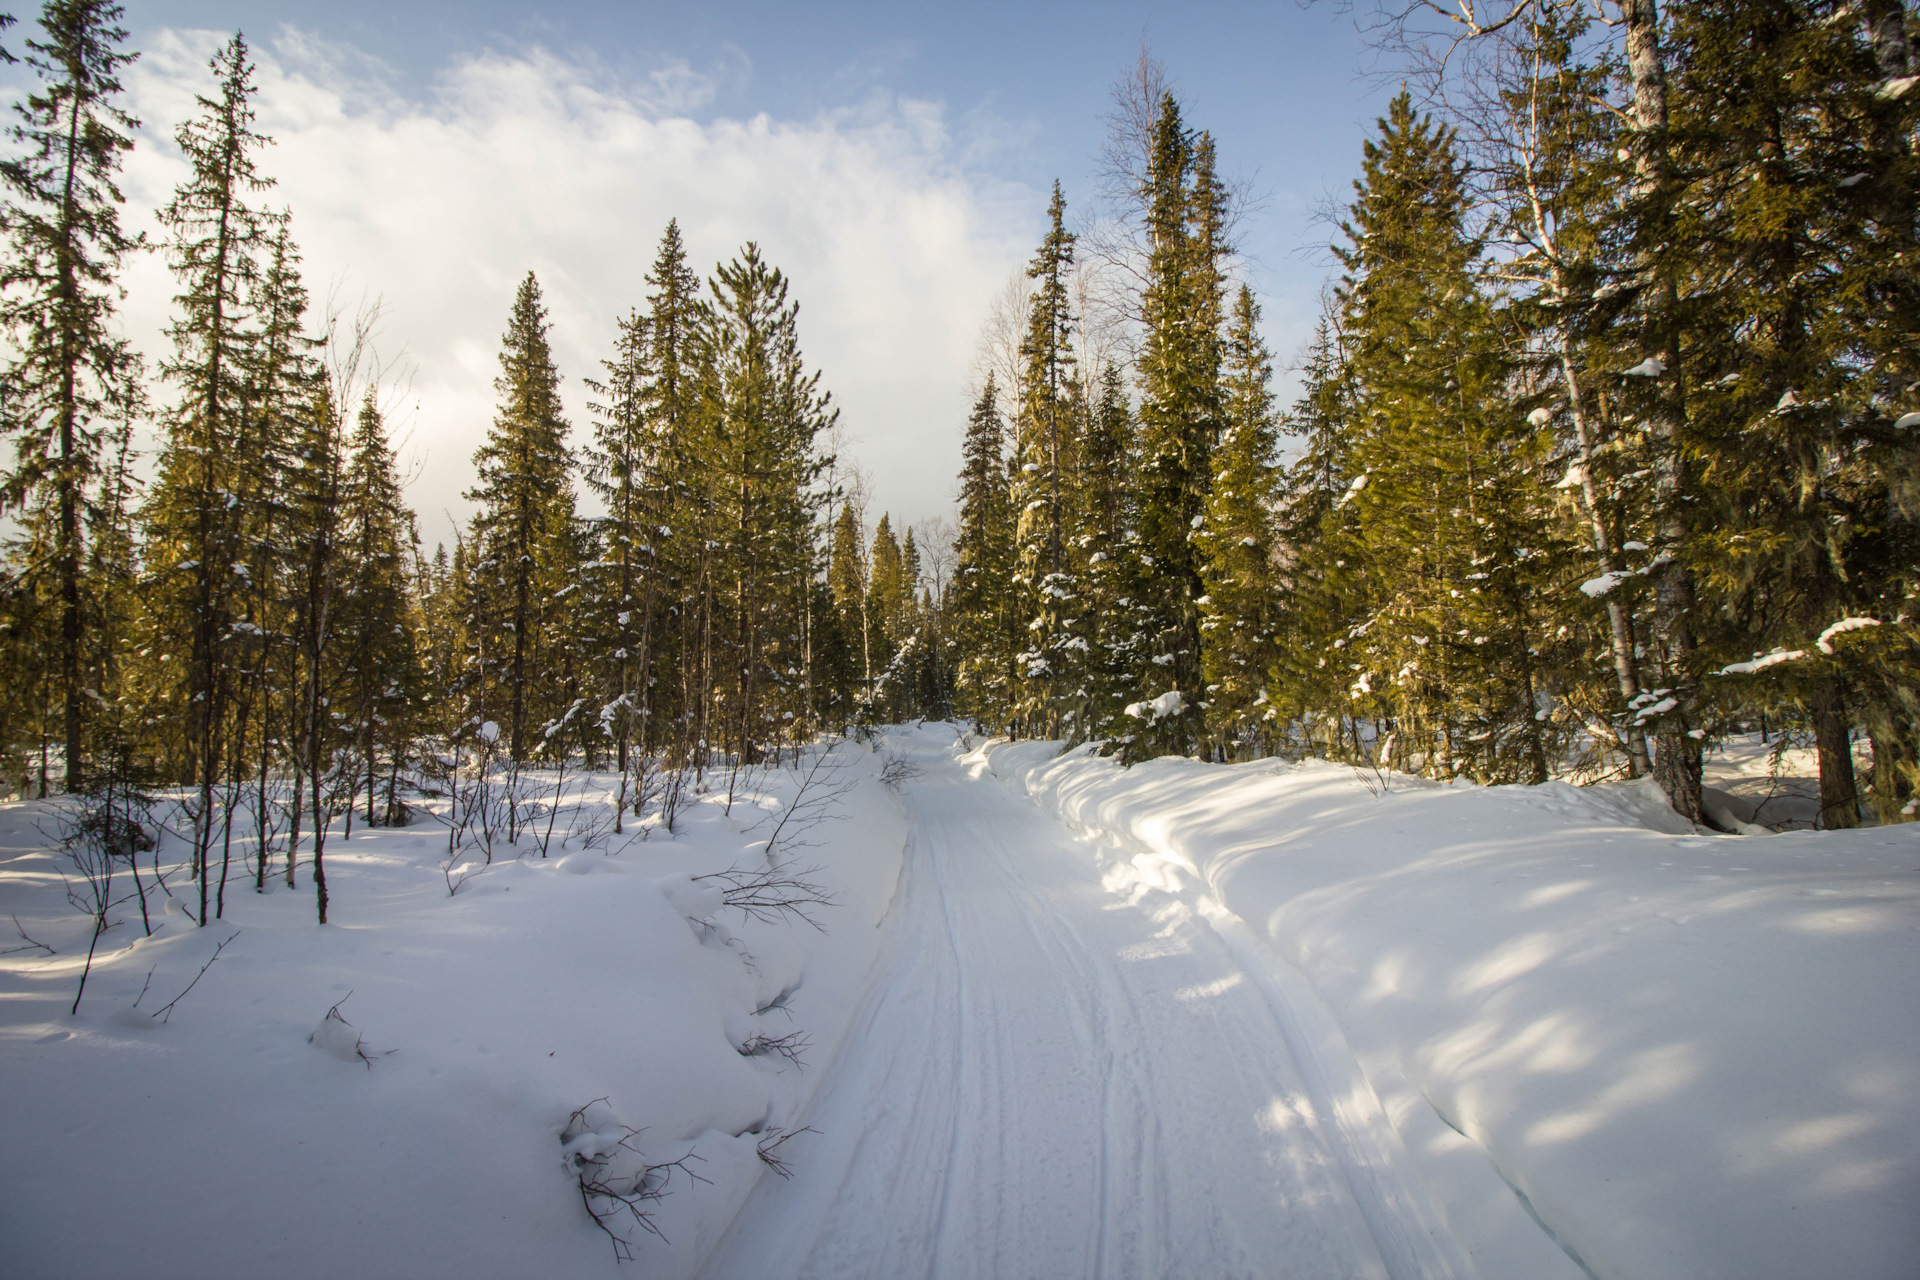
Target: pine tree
(1237, 623)
(71, 373)
(523, 532)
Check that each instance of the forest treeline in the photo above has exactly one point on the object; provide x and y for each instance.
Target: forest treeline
(1606, 448)
(259, 626)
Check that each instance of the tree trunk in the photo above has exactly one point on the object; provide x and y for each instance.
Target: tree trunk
(1677, 765)
(1832, 738)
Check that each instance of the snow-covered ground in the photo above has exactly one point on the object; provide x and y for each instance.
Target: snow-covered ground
(1691, 1055)
(223, 1143)
(1179, 1020)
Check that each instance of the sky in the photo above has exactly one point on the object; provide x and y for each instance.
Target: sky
(893, 159)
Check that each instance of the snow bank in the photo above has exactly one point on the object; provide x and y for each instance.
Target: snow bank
(1690, 1055)
(435, 1121)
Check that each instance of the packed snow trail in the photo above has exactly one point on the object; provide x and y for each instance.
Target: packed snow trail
(1050, 1080)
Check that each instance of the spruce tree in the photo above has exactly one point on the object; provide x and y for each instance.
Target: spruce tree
(1044, 456)
(1320, 598)
(1802, 217)
(523, 532)
(383, 681)
(982, 602)
(314, 490)
(681, 547)
(1446, 656)
(625, 466)
(1179, 419)
(763, 412)
(887, 605)
(847, 580)
(58, 289)
(1652, 322)
(1237, 623)
(195, 519)
(1112, 583)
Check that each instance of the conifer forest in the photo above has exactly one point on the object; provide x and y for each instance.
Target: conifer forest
(1606, 446)
(1412, 775)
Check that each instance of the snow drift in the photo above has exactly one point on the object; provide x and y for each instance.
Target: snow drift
(1688, 1055)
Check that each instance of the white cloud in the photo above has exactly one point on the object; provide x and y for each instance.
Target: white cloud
(439, 203)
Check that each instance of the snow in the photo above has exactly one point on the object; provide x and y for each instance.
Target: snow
(1651, 367)
(388, 1094)
(1825, 643)
(1169, 703)
(1761, 663)
(1058, 1075)
(1594, 588)
(1066, 1019)
(1540, 417)
(1693, 1055)
(1907, 420)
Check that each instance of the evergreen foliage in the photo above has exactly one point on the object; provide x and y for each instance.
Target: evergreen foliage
(522, 536)
(71, 377)
(1605, 447)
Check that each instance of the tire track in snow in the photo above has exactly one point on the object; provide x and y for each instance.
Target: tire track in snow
(1049, 1080)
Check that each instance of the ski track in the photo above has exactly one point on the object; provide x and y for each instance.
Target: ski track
(1051, 1079)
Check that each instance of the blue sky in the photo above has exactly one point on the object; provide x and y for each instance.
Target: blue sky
(894, 158)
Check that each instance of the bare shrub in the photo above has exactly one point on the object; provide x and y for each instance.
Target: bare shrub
(897, 771)
(770, 895)
(817, 800)
(769, 1149)
(790, 1046)
(616, 1180)
(165, 1011)
(107, 827)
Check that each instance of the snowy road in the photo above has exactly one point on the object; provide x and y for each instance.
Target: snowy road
(1054, 1079)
